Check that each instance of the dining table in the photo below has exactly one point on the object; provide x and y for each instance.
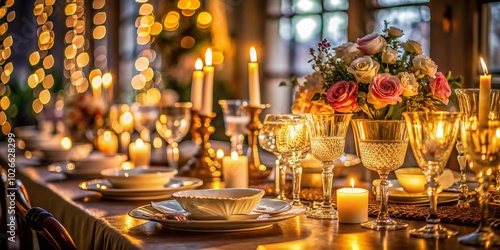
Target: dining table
(95, 222)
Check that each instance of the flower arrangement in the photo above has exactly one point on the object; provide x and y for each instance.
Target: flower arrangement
(83, 112)
(302, 102)
(379, 77)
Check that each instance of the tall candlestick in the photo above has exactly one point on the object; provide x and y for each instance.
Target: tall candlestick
(208, 85)
(197, 85)
(484, 95)
(253, 79)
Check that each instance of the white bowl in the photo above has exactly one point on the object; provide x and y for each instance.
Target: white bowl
(54, 152)
(221, 202)
(413, 180)
(96, 162)
(139, 178)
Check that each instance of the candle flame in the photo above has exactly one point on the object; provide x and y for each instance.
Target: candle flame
(127, 165)
(498, 132)
(66, 143)
(234, 155)
(439, 131)
(107, 136)
(253, 55)
(139, 143)
(107, 80)
(208, 57)
(352, 182)
(220, 153)
(483, 65)
(198, 65)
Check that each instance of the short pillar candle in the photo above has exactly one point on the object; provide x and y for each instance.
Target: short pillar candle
(235, 170)
(352, 204)
(140, 153)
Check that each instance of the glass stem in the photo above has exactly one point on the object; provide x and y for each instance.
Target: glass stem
(432, 187)
(463, 189)
(282, 176)
(237, 143)
(173, 155)
(484, 189)
(297, 179)
(327, 177)
(383, 214)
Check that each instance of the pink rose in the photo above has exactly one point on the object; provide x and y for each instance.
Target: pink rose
(371, 44)
(384, 89)
(440, 87)
(342, 96)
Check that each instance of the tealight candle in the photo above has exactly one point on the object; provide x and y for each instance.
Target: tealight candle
(484, 95)
(352, 204)
(197, 85)
(140, 153)
(107, 142)
(235, 170)
(208, 85)
(253, 79)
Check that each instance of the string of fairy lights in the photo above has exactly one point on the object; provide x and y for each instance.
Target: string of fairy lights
(6, 65)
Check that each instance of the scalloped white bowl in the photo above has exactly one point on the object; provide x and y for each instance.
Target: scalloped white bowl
(227, 201)
(139, 178)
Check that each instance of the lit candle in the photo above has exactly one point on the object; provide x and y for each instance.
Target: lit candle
(96, 83)
(107, 83)
(253, 78)
(208, 85)
(235, 170)
(107, 143)
(127, 121)
(197, 85)
(140, 153)
(484, 95)
(66, 143)
(352, 204)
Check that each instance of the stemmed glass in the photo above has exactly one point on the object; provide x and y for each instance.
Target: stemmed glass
(292, 141)
(327, 135)
(173, 125)
(432, 137)
(235, 120)
(382, 146)
(482, 143)
(267, 140)
(144, 119)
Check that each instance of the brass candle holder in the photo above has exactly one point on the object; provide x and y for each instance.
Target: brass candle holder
(257, 172)
(195, 124)
(204, 164)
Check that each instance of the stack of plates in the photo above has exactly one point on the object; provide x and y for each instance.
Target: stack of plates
(398, 195)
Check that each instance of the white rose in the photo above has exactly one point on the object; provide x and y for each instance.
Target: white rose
(425, 65)
(408, 83)
(389, 56)
(363, 69)
(413, 47)
(348, 52)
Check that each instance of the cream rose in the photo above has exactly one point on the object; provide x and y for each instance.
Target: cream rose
(395, 32)
(389, 56)
(348, 52)
(408, 83)
(371, 44)
(363, 69)
(424, 65)
(412, 47)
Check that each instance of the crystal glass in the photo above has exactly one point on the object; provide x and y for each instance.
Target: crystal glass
(145, 117)
(235, 121)
(327, 134)
(267, 140)
(292, 141)
(382, 146)
(468, 100)
(173, 125)
(482, 143)
(432, 137)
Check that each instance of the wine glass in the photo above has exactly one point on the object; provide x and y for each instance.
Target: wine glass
(432, 137)
(482, 143)
(267, 140)
(468, 100)
(173, 125)
(327, 134)
(292, 141)
(144, 119)
(382, 146)
(235, 120)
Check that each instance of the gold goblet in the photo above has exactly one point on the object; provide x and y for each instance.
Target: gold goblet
(432, 137)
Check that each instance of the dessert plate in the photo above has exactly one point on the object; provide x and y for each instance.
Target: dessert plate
(398, 195)
(147, 212)
(105, 188)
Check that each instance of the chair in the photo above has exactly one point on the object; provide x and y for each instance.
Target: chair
(50, 233)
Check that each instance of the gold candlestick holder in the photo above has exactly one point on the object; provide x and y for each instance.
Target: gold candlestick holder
(204, 164)
(195, 124)
(257, 172)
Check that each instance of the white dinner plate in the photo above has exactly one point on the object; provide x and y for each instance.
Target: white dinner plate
(147, 212)
(73, 173)
(398, 195)
(107, 191)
